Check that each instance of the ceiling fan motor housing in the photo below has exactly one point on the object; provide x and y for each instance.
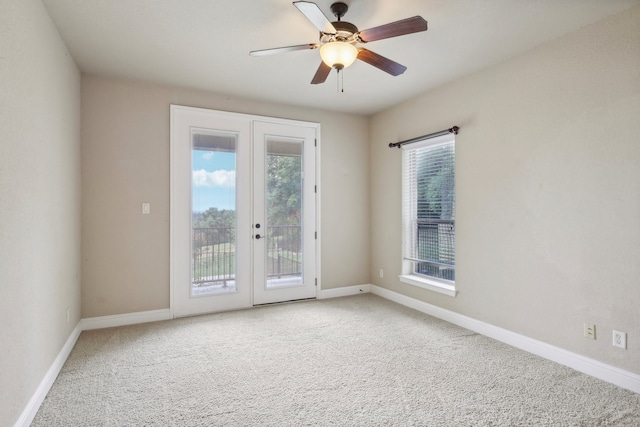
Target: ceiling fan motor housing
(345, 27)
(345, 33)
(346, 30)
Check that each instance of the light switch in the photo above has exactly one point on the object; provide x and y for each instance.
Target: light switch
(146, 208)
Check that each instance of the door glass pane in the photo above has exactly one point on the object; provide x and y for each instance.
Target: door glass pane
(284, 212)
(213, 214)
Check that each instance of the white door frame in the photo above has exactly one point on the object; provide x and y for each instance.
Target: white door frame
(176, 239)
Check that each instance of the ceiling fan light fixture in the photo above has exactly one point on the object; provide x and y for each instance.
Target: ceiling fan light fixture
(338, 54)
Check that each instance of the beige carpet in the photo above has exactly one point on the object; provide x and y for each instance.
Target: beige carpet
(355, 361)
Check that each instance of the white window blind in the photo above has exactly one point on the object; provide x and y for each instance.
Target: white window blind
(429, 206)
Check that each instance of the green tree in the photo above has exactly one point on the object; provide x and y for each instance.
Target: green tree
(284, 190)
(436, 192)
(213, 217)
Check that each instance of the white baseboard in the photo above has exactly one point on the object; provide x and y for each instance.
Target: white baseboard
(38, 397)
(30, 411)
(594, 368)
(344, 291)
(125, 319)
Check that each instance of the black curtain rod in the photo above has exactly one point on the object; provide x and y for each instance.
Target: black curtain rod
(423, 137)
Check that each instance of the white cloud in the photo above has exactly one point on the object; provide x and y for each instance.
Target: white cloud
(208, 155)
(220, 178)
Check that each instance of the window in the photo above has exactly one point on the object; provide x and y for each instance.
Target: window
(428, 175)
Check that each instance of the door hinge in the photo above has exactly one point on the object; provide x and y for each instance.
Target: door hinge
(316, 281)
(316, 235)
(315, 142)
(315, 188)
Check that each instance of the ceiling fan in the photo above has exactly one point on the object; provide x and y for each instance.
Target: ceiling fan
(339, 39)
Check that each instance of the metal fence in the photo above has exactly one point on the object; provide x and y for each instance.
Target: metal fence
(214, 253)
(284, 254)
(436, 245)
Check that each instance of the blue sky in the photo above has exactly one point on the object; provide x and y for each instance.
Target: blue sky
(214, 180)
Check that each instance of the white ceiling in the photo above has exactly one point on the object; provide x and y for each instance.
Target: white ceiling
(205, 44)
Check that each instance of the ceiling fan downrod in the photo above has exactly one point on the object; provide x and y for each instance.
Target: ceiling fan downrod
(339, 9)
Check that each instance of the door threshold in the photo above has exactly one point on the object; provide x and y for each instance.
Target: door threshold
(285, 302)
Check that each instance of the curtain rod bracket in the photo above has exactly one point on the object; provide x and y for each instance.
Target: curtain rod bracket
(454, 130)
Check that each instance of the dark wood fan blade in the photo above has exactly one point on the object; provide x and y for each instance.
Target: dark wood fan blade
(379, 61)
(321, 74)
(315, 15)
(394, 29)
(283, 49)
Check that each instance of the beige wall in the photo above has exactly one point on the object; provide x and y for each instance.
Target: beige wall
(125, 161)
(548, 190)
(39, 200)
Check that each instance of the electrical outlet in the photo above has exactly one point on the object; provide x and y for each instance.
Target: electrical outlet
(381, 273)
(590, 331)
(620, 339)
(146, 208)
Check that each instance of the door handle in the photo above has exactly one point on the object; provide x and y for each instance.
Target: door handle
(258, 236)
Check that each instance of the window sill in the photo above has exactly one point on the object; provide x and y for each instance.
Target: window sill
(431, 285)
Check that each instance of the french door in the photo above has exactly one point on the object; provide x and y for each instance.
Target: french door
(242, 210)
(284, 212)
